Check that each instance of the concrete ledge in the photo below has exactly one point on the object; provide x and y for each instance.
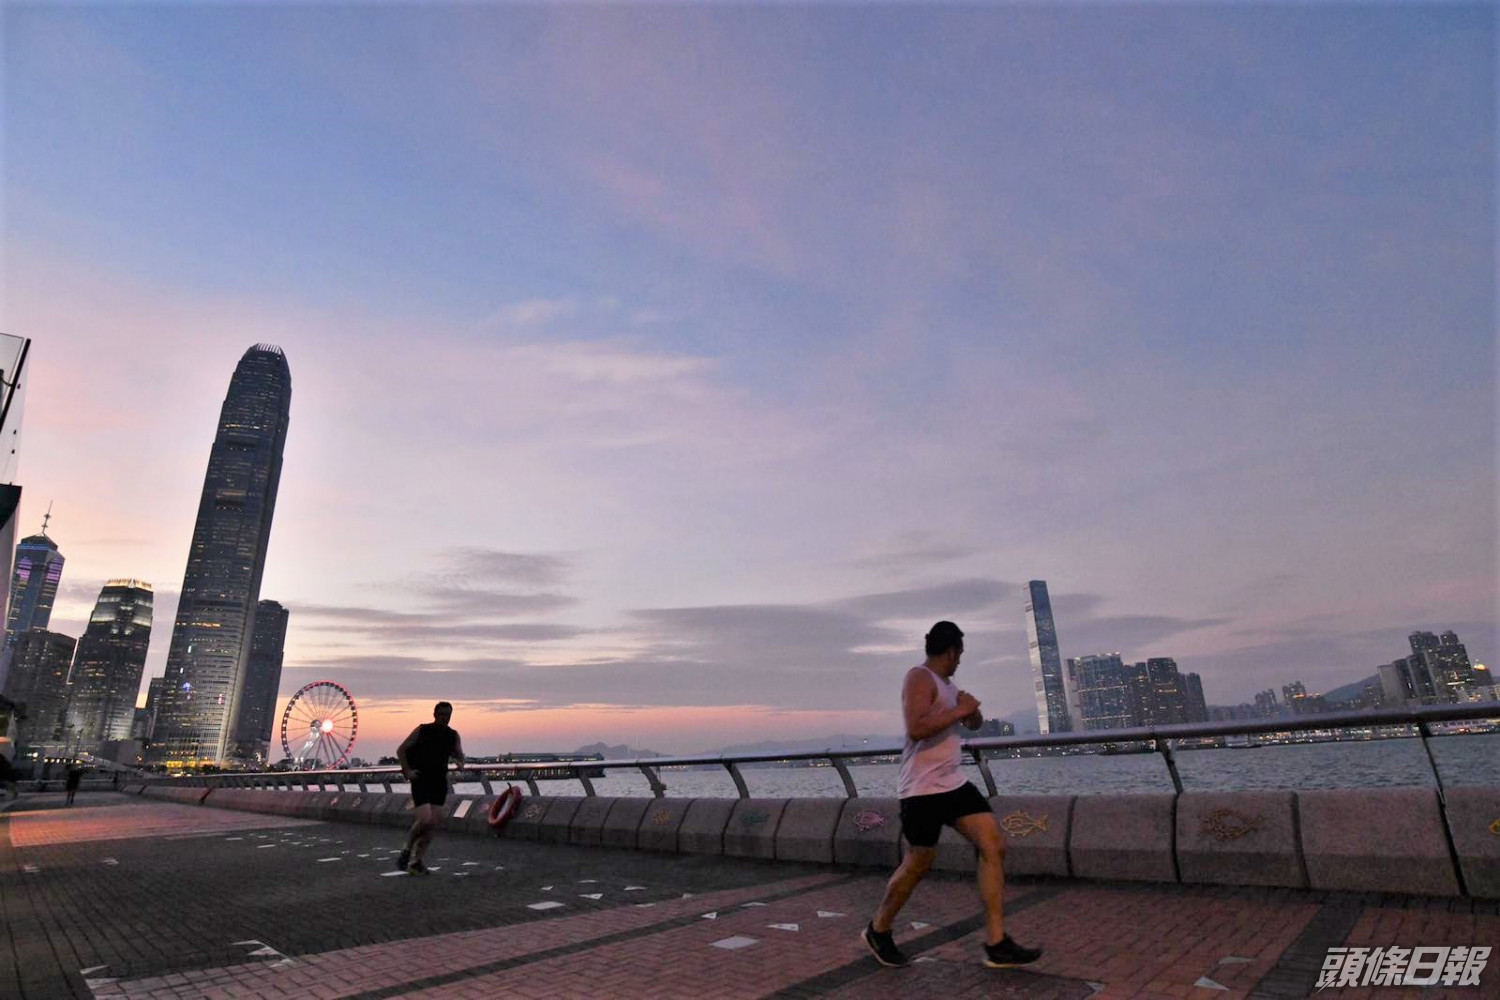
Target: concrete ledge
(553, 828)
(660, 824)
(622, 827)
(184, 794)
(1473, 816)
(1376, 839)
(1123, 837)
(528, 818)
(587, 825)
(1036, 832)
(135, 789)
(751, 830)
(1239, 838)
(868, 833)
(475, 819)
(954, 852)
(806, 830)
(702, 827)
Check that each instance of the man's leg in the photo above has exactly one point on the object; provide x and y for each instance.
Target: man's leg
(418, 826)
(981, 830)
(898, 890)
(427, 819)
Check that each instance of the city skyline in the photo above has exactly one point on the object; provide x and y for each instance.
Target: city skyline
(662, 388)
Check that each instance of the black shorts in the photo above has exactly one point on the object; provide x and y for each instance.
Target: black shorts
(429, 791)
(924, 816)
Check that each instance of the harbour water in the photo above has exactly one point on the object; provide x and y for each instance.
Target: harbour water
(1471, 759)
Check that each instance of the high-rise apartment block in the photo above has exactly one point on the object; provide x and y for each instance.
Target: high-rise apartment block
(1197, 706)
(216, 612)
(107, 666)
(1105, 690)
(1052, 696)
(252, 731)
(1437, 672)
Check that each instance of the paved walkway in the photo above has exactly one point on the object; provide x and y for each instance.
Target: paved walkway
(119, 897)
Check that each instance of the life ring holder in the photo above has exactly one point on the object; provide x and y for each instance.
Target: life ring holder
(504, 808)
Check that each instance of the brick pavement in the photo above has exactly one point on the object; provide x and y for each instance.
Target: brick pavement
(123, 898)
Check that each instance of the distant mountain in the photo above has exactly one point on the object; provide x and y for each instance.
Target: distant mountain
(838, 741)
(1349, 692)
(617, 752)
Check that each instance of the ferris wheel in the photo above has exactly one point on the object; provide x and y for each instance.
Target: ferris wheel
(318, 725)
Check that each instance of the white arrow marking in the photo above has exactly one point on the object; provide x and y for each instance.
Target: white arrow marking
(784, 927)
(831, 913)
(1209, 984)
(732, 943)
(713, 915)
(591, 895)
(543, 906)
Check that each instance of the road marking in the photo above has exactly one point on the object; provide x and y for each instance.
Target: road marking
(917, 925)
(321, 860)
(262, 847)
(591, 895)
(831, 913)
(711, 915)
(549, 905)
(468, 863)
(634, 888)
(109, 861)
(752, 904)
(30, 869)
(734, 943)
(784, 927)
(1208, 984)
(391, 874)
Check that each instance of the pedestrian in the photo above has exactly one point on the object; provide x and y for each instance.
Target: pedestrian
(934, 793)
(74, 778)
(424, 760)
(7, 772)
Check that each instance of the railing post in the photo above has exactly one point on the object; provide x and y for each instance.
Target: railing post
(531, 784)
(386, 784)
(984, 772)
(658, 790)
(588, 786)
(739, 780)
(484, 782)
(838, 765)
(1164, 747)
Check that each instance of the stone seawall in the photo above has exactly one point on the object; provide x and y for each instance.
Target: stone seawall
(1397, 840)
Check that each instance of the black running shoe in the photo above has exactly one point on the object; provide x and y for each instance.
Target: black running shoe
(402, 860)
(1007, 954)
(417, 868)
(883, 946)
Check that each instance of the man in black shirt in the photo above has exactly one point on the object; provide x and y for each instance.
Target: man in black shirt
(424, 760)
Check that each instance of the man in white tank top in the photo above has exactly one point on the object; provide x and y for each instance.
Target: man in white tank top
(934, 793)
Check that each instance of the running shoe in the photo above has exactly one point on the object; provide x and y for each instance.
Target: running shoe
(402, 860)
(883, 946)
(1007, 954)
(417, 868)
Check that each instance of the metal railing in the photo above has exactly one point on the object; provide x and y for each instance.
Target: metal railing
(1150, 739)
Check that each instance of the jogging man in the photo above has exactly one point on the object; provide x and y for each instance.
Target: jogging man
(424, 760)
(934, 793)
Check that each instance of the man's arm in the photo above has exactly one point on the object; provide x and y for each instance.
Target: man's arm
(923, 715)
(406, 745)
(973, 720)
(458, 750)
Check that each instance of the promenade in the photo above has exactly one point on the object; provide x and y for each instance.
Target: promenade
(134, 898)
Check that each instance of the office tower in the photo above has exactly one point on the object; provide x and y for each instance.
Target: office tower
(1160, 692)
(1294, 698)
(153, 705)
(38, 682)
(252, 730)
(1046, 665)
(107, 666)
(216, 612)
(1197, 707)
(1450, 662)
(33, 584)
(1106, 690)
(1265, 704)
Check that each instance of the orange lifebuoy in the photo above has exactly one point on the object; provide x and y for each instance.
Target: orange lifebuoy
(504, 807)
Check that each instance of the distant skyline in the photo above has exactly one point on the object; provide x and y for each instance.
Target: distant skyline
(664, 372)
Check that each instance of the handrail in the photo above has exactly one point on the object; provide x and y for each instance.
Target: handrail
(1146, 739)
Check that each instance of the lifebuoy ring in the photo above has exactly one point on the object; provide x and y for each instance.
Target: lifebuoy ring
(504, 807)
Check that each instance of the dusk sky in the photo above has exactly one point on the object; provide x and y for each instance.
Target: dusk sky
(661, 373)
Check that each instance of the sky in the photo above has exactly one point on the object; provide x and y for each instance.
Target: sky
(662, 372)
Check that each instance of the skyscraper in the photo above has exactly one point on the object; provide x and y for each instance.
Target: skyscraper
(216, 612)
(1046, 664)
(39, 681)
(33, 585)
(252, 729)
(1107, 693)
(1162, 693)
(107, 667)
(1197, 707)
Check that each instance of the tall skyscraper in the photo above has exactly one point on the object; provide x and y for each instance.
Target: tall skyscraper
(39, 681)
(33, 584)
(1052, 696)
(1265, 704)
(1197, 707)
(1161, 691)
(107, 667)
(252, 730)
(216, 612)
(153, 705)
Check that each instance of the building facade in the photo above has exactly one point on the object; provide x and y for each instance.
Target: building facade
(252, 730)
(38, 682)
(1107, 691)
(107, 666)
(210, 643)
(33, 585)
(1052, 696)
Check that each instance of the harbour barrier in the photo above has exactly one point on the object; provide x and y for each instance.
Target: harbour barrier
(1412, 840)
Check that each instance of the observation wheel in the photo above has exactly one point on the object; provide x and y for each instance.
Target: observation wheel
(318, 725)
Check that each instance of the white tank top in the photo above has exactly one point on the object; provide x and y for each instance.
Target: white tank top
(931, 766)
